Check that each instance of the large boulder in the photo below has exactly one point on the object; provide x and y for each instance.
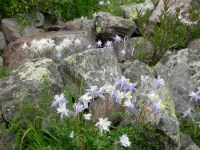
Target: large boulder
(94, 67)
(12, 30)
(131, 10)
(134, 70)
(107, 26)
(2, 41)
(25, 84)
(181, 72)
(154, 105)
(64, 42)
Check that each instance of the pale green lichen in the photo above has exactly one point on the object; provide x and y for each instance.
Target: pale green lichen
(71, 59)
(33, 70)
(98, 29)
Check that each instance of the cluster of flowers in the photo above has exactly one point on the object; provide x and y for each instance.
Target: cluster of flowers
(194, 97)
(45, 45)
(121, 92)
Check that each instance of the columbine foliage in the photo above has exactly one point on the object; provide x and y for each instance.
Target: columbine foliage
(39, 127)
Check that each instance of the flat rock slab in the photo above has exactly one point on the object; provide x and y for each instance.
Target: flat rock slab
(94, 67)
(15, 55)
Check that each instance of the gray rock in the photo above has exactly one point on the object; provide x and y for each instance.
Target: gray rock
(15, 55)
(24, 84)
(134, 47)
(181, 71)
(165, 120)
(2, 41)
(38, 21)
(107, 26)
(134, 70)
(187, 143)
(173, 6)
(93, 67)
(131, 10)
(1, 62)
(195, 44)
(12, 31)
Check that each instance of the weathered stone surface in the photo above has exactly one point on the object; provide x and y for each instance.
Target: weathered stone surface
(1, 62)
(25, 84)
(2, 41)
(134, 70)
(38, 21)
(94, 67)
(195, 44)
(106, 107)
(15, 55)
(60, 25)
(107, 26)
(187, 143)
(134, 47)
(131, 10)
(181, 72)
(11, 30)
(165, 119)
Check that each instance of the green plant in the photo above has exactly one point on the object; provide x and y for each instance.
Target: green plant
(191, 128)
(3, 72)
(65, 9)
(37, 126)
(115, 6)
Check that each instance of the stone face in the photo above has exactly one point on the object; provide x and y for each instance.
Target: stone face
(134, 70)
(173, 5)
(25, 84)
(106, 108)
(107, 26)
(195, 44)
(93, 67)
(2, 41)
(12, 31)
(165, 119)
(187, 143)
(130, 10)
(181, 72)
(134, 47)
(1, 62)
(38, 21)
(15, 55)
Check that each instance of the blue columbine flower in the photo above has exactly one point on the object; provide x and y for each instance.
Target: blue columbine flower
(194, 96)
(78, 108)
(117, 39)
(59, 100)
